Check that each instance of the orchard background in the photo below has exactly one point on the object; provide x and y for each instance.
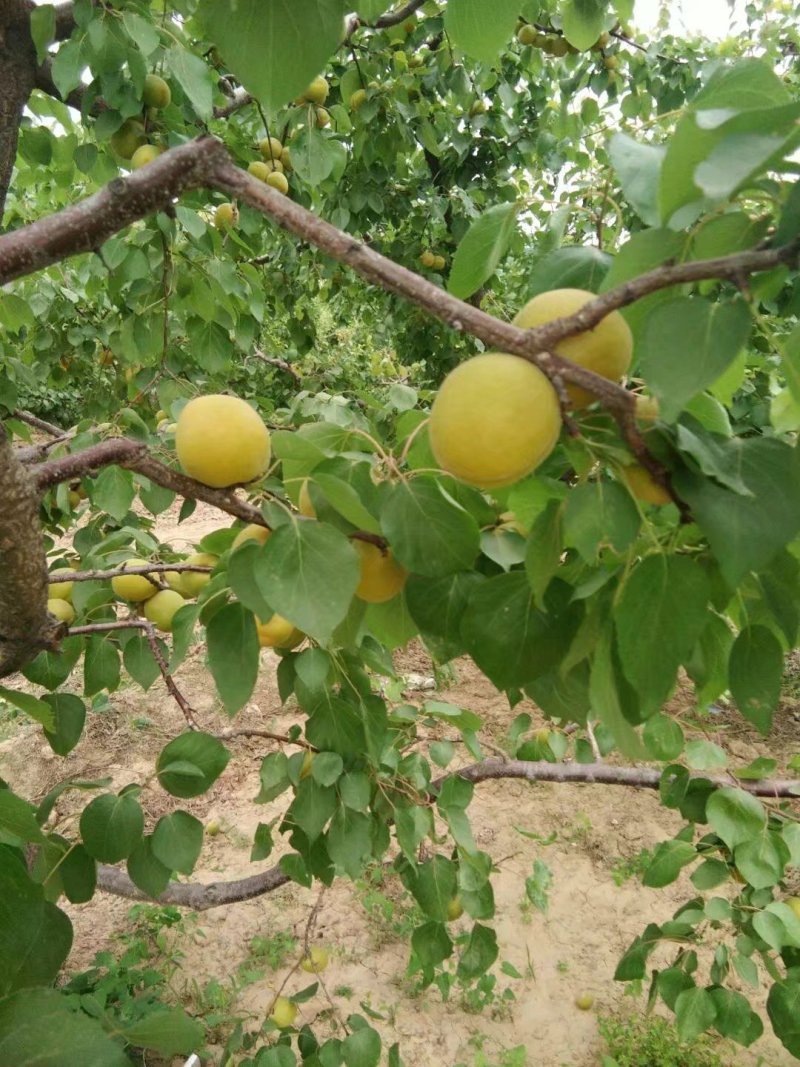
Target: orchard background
(328, 645)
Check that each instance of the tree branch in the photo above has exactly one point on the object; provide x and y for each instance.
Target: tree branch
(202, 897)
(196, 896)
(65, 20)
(384, 22)
(37, 423)
(150, 568)
(17, 79)
(239, 100)
(133, 455)
(274, 361)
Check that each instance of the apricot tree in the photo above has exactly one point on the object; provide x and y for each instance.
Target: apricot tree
(606, 491)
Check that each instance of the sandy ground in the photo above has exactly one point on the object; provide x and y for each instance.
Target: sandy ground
(571, 949)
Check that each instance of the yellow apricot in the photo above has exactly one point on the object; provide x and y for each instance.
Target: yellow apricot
(495, 418)
(145, 154)
(304, 503)
(193, 581)
(253, 532)
(221, 441)
(226, 216)
(278, 181)
(134, 587)
(61, 590)
(61, 609)
(278, 632)
(382, 577)
(270, 147)
(161, 608)
(644, 486)
(316, 960)
(606, 349)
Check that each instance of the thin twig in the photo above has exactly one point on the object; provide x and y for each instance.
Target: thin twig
(145, 569)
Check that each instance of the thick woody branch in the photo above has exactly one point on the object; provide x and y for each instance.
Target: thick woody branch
(65, 20)
(239, 100)
(17, 79)
(37, 423)
(194, 896)
(202, 897)
(134, 456)
(83, 227)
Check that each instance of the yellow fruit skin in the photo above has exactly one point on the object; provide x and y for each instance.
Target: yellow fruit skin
(61, 590)
(647, 408)
(317, 92)
(270, 148)
(221, 441)
(455, 909)
(439, 262)
(357, 99)
(143, 155)
(286, 158)
(134, 587)
(251, 533)
(495, 418)
(527, 35)
(128, 138)
(644, 486)
(174, 580)
(382, 577)
(427, 259)
(794, 904)
(278, 632)
(304, 503)
(161, 608)
(278, 181)
(259, 169)
(284, 1012)
(607, 349)
(226, 216)
(316, 960)
(61, 609)
(193, 581)
(584, 1001)
(323, 118)
(156, 92)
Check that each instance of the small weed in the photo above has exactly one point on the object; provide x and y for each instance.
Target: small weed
(579, 830)
(647, 1041)
(562, 967)
(631, 866)
(503, 1057)
(343, 991)
(390, 919)
(272, 951)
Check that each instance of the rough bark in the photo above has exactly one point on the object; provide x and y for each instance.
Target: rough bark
(17, 79)
(25, 626)
(198, 897)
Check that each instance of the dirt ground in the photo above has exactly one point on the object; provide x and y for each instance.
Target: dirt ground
(570, 950)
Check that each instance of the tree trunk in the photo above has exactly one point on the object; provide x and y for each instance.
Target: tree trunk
(17, 79)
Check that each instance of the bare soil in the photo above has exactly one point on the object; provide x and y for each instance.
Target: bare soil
(569, 950)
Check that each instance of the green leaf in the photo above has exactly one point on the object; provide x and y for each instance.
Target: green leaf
(428, 531)
(50, 669)
(431, 944)
(659, 617)
(783, 1008)
(362, 1048)
(112, 826)
(194, 77)
(710, 874)
(269, 47)
(146, 871)
(43, 28)
(583, 21)
(308, 571)
(31, 705)
(485, 243)
(745, 533)
(735, 1019)
(571, 267)
(167, 1032)
(481, 30)
(17, 817)
(311, 808)
(508, 637)
(69, 713)
(137, 656)
(177, 840)
(713, 456)
(686, 344)
(479, 953)
(735, 816)
(233, 655)
(663, 737)
(274, 775)
(78, 873)
(695, 1012)
(598, 515)
(437, 605)
(38, 1028)
(189, 765)
(100, 666)
(755, 674)
(67, 67)
(142, 32)
(638, 167)
(545, 546)
(668, 861)
(434, 886)
(343, 497)
(313, 155)
(633, 963)
(761, 860)
(349, 841)
(113, 491)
